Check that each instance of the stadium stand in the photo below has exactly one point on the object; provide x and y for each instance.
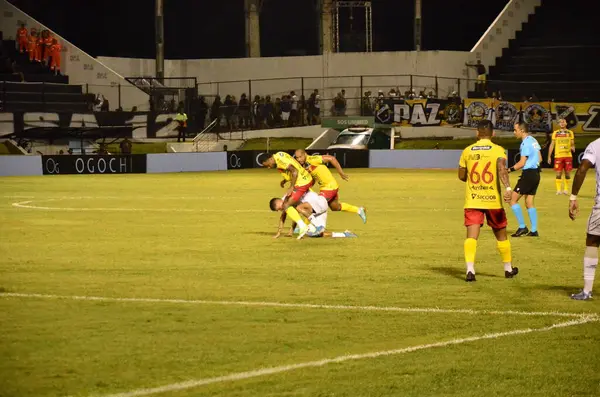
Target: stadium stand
(556, 56)
(31, 86)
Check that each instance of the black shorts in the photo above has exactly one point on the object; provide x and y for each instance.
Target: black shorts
(528, 182)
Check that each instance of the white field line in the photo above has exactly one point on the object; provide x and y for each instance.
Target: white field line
(340, 359)
(301, 305)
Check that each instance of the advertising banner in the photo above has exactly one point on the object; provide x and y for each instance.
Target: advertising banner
(244, 159)
(580, 117)
(341, 123)
(418, 112)
(92, 164)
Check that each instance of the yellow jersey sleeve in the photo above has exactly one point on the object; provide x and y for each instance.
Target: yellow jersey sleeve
(315, 160)
(553, 135)
(282, 160)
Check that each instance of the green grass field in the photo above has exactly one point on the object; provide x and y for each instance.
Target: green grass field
(193, 296)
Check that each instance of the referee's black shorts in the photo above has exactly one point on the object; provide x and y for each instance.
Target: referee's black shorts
(528, 182)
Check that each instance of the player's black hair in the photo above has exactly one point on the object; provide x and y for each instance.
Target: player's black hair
(263, 157)
(272, 204)
(523, 125)
(485, 128)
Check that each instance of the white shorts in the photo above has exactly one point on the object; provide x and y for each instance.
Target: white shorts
(319, 206)
(285, 116)
(593, 226)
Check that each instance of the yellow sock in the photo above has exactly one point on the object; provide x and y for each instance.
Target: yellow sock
(294, 216)
(349, 208)
(505, 252)
(567, 183)
(558, 182)
(470, 250)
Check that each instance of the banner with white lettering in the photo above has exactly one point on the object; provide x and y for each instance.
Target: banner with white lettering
(129, 124)
(418, 112)
(92, 164)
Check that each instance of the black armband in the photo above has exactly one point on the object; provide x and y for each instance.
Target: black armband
(511, 169)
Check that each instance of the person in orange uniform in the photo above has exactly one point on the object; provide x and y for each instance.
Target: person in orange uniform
(22, 38)
(55, 56)
(33, 49)
(47, 40)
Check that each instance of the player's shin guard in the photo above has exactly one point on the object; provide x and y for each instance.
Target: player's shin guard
(505, 254)
(558, 183)
(590, 262)
(519, 215)
(295, 216)
(349, 208)
(533, 218)
(470, 251)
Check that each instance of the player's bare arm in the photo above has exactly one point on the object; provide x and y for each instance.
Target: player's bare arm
(550, 149)
(577, 183)
(293, 178)
(503, 176)
(281, 224)
(462, 174)
(331, 159)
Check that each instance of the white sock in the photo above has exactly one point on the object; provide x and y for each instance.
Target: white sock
(301, 224)
(337, 235)
(590, 262)
(508, 267)
(470, 267)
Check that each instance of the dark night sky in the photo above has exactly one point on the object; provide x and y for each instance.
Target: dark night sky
(215, 29)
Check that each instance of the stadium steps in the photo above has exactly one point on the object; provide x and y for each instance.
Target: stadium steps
(556, 55)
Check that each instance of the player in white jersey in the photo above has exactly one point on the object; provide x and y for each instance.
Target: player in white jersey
(314, 207)
(590, 159)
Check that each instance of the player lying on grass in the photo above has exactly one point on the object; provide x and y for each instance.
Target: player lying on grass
(300, 183)
(328, 186)
(314, 208)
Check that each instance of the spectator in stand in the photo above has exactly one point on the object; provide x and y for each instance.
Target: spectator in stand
(200, 110)
(317, 107)
(215, 112)
(480, 69)
(339, 105)
(310, 109)
(286, 109)
(301, 109)
(277, 120)
(236, 113)
(22, 38)
(293, 109)
(268, 111)
(366, 107)
(244, 111)
(228, 111)
(256, 112)
(55, 56)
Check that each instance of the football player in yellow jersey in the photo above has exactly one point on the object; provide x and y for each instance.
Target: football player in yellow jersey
(563, 143)
(328, 186)
(482, 167)
(300, 183)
